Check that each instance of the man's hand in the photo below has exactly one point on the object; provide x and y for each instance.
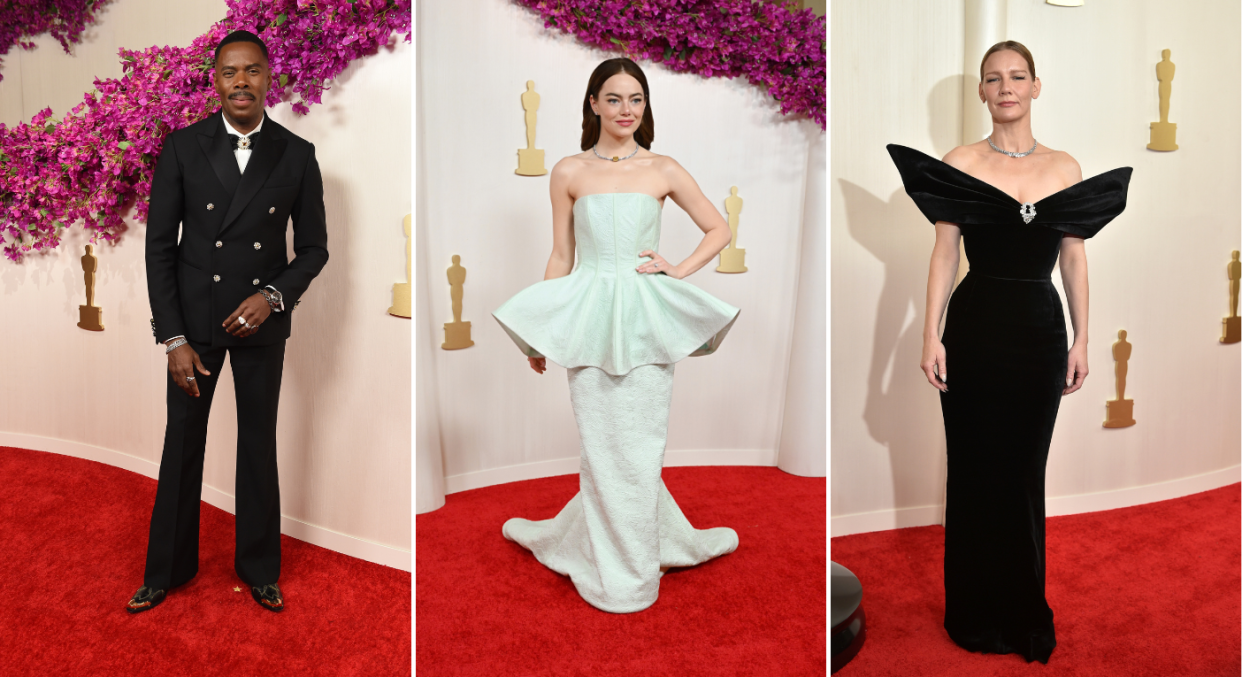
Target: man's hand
(254, 310)
(181, 365)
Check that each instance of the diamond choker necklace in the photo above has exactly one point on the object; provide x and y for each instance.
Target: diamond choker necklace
(1010, 154)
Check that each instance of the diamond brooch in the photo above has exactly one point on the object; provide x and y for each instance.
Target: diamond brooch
(1027, 211)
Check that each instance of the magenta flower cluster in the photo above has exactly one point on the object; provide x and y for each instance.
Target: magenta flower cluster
(773, 45)
(21, 20)
(95, 165)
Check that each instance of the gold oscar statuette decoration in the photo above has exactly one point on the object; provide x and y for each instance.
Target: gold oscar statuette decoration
(456, 333)
(1120, 410)
(1164, 133)
(1231, 327)
(90, 316)
(530, 159)
(401, 291)
(732, 259)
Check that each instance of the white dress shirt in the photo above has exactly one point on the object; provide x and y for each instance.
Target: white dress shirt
(243, 156)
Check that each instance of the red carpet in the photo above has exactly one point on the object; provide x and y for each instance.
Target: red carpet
(73, 537)
(1148, 590)
(486, 607)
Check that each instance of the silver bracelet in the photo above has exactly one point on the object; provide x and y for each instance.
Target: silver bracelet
(175, 345)
(271, 302)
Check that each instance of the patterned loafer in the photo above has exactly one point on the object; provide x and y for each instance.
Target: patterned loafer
(145, 600)
(268, 597)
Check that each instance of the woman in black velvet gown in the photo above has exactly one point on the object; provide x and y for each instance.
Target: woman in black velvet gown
(1018, 205)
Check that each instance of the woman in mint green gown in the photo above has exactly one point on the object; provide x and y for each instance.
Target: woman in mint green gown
(618, 323)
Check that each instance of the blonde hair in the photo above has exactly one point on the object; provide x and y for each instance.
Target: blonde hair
(1013, 46)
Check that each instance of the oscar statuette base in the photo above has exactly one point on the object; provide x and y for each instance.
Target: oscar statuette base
(530, 162)
(1231, 329)
(1163, 136)
(456, 336)
(90, 318)
(400, 300)
(1120, 414)
(732, 261)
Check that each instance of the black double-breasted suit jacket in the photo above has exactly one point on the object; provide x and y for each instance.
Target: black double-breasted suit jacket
(232, 231)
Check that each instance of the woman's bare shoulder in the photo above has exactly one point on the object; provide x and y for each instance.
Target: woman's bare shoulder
(569, 165)
(964, 157)
(1064, 164)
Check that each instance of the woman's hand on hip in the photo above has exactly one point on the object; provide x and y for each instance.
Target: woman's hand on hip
(934, 365)
(1076, 372)
(658, 264)
(539, 364)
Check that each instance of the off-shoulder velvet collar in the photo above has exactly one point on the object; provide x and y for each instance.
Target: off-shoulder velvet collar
(945, 193)
(1084, 185)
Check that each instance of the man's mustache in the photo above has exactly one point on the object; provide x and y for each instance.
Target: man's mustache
(241, 95)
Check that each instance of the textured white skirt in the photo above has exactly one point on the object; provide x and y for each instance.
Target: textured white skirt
(622, 527)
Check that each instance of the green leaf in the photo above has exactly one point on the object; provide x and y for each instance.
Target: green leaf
(616, 42)
(668, 52)
(284, 79)
(281, 19)
(123, 145)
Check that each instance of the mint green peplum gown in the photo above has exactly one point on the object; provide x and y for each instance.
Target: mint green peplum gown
(618, 332)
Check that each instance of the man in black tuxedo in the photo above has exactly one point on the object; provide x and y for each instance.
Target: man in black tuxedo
(232, 183)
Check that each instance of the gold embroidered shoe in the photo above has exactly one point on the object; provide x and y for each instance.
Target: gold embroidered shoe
(268, 597)
(145, 600)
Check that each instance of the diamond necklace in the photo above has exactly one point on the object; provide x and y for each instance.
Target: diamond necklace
(615, 158)
(1010, 154)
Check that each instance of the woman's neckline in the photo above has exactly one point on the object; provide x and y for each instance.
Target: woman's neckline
(998, 190)
(657, 200)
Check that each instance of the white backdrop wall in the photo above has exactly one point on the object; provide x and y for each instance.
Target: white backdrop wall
(344, 433)
(497, 420)
(1157, 271)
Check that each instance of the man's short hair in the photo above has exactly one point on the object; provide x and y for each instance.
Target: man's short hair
(241, 36)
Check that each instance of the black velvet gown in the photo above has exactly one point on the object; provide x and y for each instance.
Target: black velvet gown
(1006, 349)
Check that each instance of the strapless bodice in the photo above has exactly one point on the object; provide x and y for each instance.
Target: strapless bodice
(606, 314)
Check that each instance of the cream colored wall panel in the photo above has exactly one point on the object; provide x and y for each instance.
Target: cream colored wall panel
(896, 79)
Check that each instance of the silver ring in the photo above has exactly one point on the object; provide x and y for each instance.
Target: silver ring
(190, 379)
(657, 264)
(243, 321)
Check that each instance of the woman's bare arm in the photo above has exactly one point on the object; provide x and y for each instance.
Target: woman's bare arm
(1074, 279)
(561, 262)
(716, 235)
(940, 275)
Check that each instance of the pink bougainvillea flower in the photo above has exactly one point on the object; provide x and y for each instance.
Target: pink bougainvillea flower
(776, 46)
(94, 165)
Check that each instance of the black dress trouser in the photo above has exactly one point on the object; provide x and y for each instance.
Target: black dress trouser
(172, 550)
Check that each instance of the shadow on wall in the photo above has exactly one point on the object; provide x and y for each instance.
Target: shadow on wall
(902, 410)
(312, 357)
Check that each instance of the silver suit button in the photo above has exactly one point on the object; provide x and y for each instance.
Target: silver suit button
(210, 206)
(255, 282)
(219, 244)
(271, 210)
(257, 246)
(216, 278)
